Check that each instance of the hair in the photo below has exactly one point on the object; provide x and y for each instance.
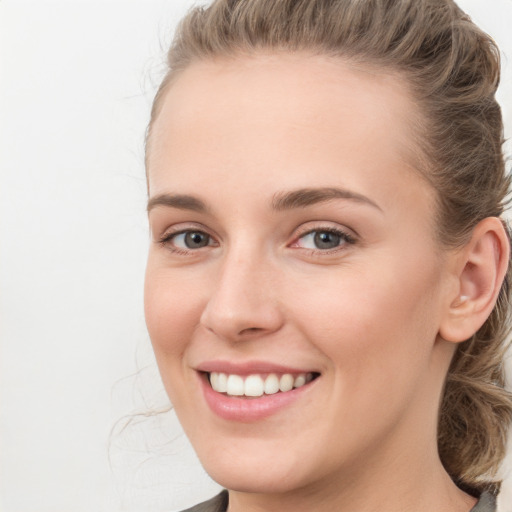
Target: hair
(453, 70)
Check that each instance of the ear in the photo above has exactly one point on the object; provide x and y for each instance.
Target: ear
(480, 270)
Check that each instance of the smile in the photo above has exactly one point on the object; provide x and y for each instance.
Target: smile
(257, 385)
(253, 391)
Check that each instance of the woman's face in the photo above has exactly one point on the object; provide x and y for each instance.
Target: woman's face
(293, 244)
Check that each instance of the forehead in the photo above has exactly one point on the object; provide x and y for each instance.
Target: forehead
(290, 113)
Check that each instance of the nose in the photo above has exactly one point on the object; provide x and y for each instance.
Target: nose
(243, 301)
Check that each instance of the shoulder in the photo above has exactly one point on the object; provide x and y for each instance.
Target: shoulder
(217, 504)
(486, 503)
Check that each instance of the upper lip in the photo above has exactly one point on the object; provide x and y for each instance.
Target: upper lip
(248, 367)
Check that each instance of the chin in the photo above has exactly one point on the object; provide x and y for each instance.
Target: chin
(260, 472)
(253, 480)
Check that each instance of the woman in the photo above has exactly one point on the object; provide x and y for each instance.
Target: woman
(327, 285)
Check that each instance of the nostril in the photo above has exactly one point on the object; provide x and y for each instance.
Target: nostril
(251, 330)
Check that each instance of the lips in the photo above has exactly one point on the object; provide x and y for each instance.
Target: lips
(252, 391)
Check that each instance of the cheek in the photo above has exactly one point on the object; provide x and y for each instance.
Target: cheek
(172, 311)
(375, 324)
(172, 314)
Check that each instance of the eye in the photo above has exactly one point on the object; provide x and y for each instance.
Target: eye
(187, 240)
(324, 239)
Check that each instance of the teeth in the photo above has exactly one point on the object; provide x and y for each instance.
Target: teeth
(299, 381)
(256, 385)
(286, 382)
(271, 384)
(235, 385)
(222, 383)
(214, 380)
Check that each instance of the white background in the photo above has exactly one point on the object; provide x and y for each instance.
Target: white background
(76, 83)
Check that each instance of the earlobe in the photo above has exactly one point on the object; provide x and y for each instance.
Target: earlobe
(481, 268)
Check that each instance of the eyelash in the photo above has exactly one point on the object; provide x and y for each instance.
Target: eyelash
(345, 238)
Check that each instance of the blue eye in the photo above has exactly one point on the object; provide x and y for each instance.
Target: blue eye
(187, 240)
(324, 240)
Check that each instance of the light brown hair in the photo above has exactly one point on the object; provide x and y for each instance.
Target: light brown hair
(453, 69)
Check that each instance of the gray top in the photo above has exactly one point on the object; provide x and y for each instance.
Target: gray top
(486, 503)
(217, 504)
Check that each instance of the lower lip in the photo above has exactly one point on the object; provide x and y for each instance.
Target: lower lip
(247, 410)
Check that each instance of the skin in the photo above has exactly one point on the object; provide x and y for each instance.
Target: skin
(367, 315)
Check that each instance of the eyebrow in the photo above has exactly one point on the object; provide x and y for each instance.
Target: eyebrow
(304, 197)
(179, 201)
(300, 198)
